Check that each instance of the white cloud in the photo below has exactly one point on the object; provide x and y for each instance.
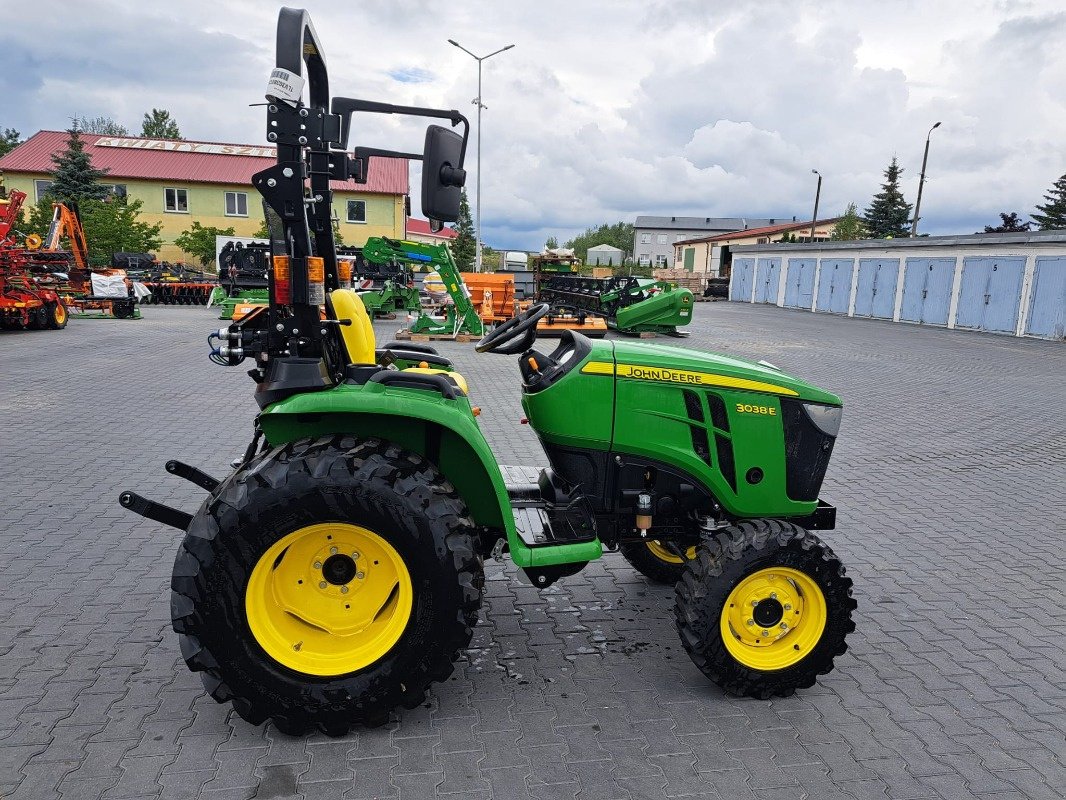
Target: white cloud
(605, 110)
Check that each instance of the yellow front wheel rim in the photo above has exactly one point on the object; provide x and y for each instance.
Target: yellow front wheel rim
(329, 599)
(773, 618)
(60, 313)
(660, 552)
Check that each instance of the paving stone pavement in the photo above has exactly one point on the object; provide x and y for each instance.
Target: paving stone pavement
(950, 477)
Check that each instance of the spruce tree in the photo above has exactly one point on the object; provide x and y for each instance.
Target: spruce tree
(1052, 214)
(75, 178)
(464, 246)
(889, 215)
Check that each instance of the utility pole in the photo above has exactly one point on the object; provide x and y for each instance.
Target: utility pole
(921, 184)
(817, 197)
(480, 105)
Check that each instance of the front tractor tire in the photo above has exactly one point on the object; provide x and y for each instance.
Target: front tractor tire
(764, 608)
(326, 583)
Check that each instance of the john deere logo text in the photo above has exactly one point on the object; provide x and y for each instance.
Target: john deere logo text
(659, 374)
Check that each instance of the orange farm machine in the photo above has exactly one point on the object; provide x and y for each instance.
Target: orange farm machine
(23, 302)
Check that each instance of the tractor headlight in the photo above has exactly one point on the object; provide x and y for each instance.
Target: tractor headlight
(825, 418)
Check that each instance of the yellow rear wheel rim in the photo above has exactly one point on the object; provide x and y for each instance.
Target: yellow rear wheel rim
(660, 552)
(329, 599)
(773, 618)
(60, 313)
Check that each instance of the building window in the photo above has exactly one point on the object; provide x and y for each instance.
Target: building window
(236, 204)
(357, 210)
(678, 237)
(677, 255)
(662, 238)
(644, 260)
(176, 200)
(645, 238)
(41, 188)
(116, 189)
(660, 260)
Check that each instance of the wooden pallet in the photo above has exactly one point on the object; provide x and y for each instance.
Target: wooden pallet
(405, 335)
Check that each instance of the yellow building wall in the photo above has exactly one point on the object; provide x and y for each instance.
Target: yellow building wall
(207, 205)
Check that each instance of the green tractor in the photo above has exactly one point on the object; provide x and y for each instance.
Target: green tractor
(337, 572)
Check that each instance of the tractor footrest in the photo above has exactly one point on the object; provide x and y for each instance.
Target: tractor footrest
(536, 528)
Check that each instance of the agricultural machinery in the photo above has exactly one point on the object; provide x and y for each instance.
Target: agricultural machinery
(337, 571)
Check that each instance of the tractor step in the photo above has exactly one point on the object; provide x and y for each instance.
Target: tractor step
(540, 523)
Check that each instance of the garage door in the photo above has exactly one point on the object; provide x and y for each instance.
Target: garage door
(834, 284)
(1047, 305)
(742, 280)
(990, 293)
(927, 284)
(768, 277)
(875, 292)
(799, 285)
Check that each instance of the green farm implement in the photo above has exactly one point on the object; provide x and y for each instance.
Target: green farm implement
(337, 572)
(630, 304)
(384, 265)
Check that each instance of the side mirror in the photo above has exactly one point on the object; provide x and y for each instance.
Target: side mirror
(443, 175)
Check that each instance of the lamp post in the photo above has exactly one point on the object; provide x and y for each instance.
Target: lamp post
(480, 105)
(817, 196)
(921, 184)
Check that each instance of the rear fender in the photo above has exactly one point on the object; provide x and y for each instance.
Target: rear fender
(441, 430)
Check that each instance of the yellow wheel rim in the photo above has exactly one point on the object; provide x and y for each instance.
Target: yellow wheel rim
(773, 618)
(660, 552)
(329, 599)
(60, 313)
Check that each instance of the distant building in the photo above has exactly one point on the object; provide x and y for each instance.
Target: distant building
(605, 255)
(654, 237)
(710, 255)
(180, 182)
(418, 231)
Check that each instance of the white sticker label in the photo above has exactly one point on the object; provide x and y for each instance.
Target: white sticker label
(285, 86)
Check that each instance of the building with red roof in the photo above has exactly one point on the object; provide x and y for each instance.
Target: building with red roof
(710, 255)
(418, 230)
(180, 182)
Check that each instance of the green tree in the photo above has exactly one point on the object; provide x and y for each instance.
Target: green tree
(102, 125)
(75, 179)
(113, 226)
(199, 241)
(158, 124)
(889, 214)
(850, 227)
(619, 235)
(1009, 223)
(37, 218)
(1052, 214)
(464, 246)
(551, 243)
(9, 140)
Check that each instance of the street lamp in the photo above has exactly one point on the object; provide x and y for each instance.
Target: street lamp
(480, 105)
(817, 196)
(921, 184)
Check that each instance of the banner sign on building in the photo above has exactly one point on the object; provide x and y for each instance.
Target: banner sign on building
(179, 146)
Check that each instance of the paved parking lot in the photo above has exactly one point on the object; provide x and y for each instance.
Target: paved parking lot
(950, 476)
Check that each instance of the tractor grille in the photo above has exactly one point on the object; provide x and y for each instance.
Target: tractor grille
(807, 452)
(700, 444)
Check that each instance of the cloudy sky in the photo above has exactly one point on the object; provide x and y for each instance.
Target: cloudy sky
(607, 109)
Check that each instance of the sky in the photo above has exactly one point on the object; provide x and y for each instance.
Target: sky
(607, 109)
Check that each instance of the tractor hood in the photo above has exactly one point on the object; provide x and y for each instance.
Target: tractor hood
(691, 367)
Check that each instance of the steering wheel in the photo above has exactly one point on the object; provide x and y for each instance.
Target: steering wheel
(516, 335)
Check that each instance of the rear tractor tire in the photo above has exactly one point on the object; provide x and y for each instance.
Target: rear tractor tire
(325, 583)
(764, 608)
(656, 562)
